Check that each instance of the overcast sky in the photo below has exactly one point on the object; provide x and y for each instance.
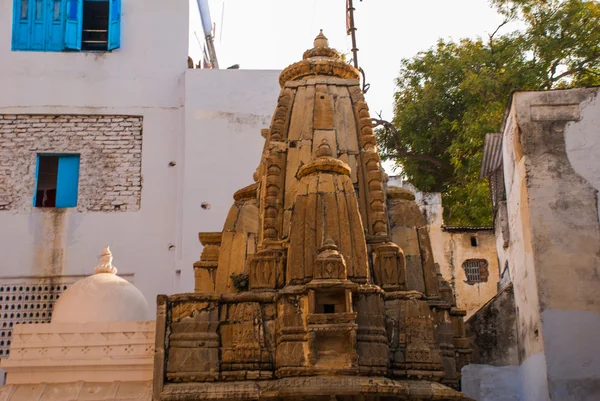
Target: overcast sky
(271, 34)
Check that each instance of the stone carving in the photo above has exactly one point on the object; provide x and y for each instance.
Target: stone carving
(389, 267)
(330, 264)
(334, 307)
(204, 269)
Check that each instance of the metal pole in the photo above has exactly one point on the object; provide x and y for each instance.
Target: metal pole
(352, 32)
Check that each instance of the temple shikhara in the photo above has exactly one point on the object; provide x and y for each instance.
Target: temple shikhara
(322, 284)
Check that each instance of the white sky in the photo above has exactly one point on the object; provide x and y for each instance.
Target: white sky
(271, 34)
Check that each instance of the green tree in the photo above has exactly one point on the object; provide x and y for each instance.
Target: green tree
(451, 95)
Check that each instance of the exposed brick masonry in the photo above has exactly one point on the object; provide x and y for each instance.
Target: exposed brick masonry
(110, 148)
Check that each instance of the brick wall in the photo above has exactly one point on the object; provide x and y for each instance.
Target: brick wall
(110, 148)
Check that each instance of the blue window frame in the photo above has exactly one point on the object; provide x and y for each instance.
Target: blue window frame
(66, 25)
(56, 181)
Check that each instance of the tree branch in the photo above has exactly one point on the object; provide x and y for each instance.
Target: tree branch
(403, 153)
(506, 21)
(577, 69)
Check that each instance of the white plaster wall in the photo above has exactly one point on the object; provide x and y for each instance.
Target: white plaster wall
(225, 111)
(144, 77)
(582, 142)
(491, 383)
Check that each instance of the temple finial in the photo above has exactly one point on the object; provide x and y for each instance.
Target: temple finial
(105, 265)
(328, 244)
(321, 40)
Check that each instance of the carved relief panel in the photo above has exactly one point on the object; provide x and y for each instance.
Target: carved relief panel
(389, 267)
(267, 269)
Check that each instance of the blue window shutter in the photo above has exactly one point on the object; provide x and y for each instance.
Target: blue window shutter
(55, 23)
(38, 24)
(67, 184)
(37, 173)
(22, 15)
(114, 25)
(74, 24)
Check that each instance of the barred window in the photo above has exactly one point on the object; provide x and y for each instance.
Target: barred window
(476, 270)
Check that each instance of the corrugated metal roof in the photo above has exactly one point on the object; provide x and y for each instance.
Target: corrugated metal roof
(492, 154)
(464, 228)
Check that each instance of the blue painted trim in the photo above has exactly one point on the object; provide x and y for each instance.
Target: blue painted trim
(73, 24)
(21, 32)
(37, 173)
(114, 24)
(67, 183)
(55, 26)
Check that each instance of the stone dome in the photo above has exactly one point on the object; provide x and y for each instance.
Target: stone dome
(102, 297)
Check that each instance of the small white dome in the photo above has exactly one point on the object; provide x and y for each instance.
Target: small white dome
(102, 297)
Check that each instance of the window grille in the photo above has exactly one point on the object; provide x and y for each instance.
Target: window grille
(473, 270)
(26, 302)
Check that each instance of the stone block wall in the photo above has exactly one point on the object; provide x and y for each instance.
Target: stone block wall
(110, 148)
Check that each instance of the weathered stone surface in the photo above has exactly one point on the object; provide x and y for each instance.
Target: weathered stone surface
(333, 308)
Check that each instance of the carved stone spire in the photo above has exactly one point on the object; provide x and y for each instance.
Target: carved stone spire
(105, 265)
(330, 295)
(321, 60)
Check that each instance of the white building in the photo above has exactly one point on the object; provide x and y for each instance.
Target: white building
(135, 149)
(99, 345)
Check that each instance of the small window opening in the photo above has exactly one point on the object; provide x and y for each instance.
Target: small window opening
(328, 308)
(47, 179)
(474, 241)
(473, 271)
(330, 302)
(476, 270)
(95, 25)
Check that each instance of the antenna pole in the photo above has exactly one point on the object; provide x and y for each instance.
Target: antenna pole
(351, 30)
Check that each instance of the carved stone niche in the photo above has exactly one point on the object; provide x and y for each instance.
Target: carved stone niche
(330, 264)
(332, 329)
(267, 270)
(205, 270)
(389, 267)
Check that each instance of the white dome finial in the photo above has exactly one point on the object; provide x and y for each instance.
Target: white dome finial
(105, 265)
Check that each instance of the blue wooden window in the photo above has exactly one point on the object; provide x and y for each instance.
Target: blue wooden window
(59, 25)
(38, 26)
(74, 24)
(21, 38)
(114, 25)
(56, 181)
(56, 26)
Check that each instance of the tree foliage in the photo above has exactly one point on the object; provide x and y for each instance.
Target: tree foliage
(451, 95)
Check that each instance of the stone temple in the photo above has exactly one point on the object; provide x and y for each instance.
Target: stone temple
(322, 284)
